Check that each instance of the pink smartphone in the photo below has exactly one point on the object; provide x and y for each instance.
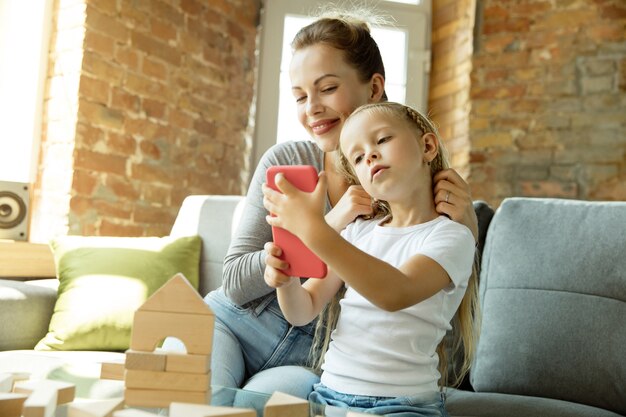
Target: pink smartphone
(302, 261)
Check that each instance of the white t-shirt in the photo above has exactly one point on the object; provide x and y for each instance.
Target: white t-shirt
(379, 353)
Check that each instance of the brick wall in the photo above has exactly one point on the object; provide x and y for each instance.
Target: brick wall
(147, 102)
(448, 101)
(548, 100)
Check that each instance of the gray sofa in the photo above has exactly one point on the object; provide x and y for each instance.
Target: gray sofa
(553, 296)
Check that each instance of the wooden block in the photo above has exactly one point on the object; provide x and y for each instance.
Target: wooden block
(133, 412)
(6, 382)
(163, 398)
(66, 391)
(177, 296)
(196, 410)
(355, 414)
(151, 327)
(25, 259)
(11, 404)
(42, 402)
(193, 364)
(174, 381)
(112, 370)
(285, 405)
(95, 408)
(147, 361)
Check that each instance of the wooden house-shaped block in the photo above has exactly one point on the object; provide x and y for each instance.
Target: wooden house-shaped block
(157, 378)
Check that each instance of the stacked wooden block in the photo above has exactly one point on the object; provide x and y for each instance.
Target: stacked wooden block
(157, 378)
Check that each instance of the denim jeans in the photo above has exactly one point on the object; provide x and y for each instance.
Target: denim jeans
(430, 405)
(256, 343)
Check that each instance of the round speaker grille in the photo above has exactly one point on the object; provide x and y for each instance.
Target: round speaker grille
(12, 210)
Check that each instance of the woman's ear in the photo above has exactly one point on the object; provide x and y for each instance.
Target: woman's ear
(377, 87)
(431, 146)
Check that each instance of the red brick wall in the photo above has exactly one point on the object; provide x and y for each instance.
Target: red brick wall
(147, 102)
(448, 102)
(548, 100)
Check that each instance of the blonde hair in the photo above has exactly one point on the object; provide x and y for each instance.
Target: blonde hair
(466, 321)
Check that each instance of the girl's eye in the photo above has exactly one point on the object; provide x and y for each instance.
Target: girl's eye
(383, 139)
(358, 159)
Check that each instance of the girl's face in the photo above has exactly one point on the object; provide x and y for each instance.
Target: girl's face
(388, 155)
(326, 90)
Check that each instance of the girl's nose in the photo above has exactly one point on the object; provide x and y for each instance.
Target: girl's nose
(373, 156)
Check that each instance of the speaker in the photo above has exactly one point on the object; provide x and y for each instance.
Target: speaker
(14, 206)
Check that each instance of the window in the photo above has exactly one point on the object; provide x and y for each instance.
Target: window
(404, 48)
(24, 34)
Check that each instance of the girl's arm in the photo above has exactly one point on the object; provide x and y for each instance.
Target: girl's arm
(300, 303)
(458, 204)
(416, 280)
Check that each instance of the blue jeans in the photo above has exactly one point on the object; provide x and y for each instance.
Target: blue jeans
(251, 347)
(429, 405)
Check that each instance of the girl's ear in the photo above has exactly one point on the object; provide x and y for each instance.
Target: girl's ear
(377, 86)
(431, 146)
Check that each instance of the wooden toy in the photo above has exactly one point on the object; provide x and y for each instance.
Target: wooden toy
(163, 398)
(284, 405)
(133, 412)
(112, 370)
(6, 382)
(175, 381)
(194, 330)
(176, 309)
(65, 391)
(41, 402)
(177, 362)
(95, 408)
(149, 361)
(155, 378)
(197, 410)
(11, 404)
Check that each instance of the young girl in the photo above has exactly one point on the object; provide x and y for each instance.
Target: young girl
(406, 270)
(336, 67)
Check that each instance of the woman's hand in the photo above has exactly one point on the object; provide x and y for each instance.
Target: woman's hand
(353, 203)
(273, 265)
(453, 198)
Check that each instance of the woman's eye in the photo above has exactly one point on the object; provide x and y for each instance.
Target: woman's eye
(329, 89)
(300, 99)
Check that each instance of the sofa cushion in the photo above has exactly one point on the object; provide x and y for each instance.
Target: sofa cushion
(29, 304)
(103, 280)
(488, 404)
(553, 297)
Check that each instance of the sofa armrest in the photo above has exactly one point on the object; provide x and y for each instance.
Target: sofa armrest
(25, 311)
(213, 218)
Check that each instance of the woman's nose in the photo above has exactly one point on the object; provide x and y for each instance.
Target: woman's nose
(313, 106)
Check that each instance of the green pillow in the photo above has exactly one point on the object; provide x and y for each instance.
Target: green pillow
(103, 280)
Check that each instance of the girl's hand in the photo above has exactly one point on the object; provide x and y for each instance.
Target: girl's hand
(273, 264)
(453, 198)
(355, 202)
(296, 211)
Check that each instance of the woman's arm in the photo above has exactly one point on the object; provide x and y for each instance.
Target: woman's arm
(244, 264)
(454, 199)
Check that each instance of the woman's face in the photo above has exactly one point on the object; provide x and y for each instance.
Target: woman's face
(326, 90)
